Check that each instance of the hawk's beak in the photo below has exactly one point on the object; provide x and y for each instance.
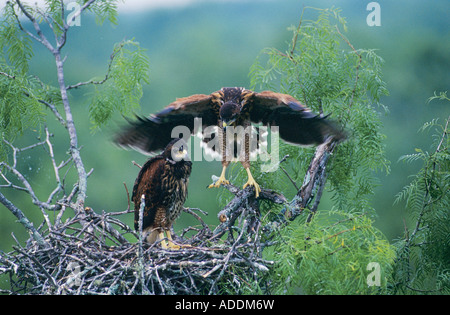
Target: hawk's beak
(225, 124)
(182, 154)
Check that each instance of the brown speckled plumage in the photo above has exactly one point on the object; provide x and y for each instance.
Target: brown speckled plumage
(164, 183)
(234, 106)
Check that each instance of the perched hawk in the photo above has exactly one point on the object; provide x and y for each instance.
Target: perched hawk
(163, 180)
(230, 107)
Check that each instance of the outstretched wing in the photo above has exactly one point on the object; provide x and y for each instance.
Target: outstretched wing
(153, 133)
(297, 123)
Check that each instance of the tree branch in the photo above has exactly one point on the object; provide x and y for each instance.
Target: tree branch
(314, 181)
(111, 59)
(62, 41)
(24, 221)
(69, 122)
(27, 186)
(41, 37)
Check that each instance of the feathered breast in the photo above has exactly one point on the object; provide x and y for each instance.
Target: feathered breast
(164, 184)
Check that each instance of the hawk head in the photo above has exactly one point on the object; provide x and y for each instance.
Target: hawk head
(176, 151)
(229, 112)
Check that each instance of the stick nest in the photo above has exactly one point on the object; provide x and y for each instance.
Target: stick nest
(89, 254)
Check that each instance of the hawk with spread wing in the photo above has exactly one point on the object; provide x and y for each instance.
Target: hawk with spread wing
(231, 107)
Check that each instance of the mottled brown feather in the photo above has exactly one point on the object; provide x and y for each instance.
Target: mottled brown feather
(164, 184)
(297, 124)
(153, 133)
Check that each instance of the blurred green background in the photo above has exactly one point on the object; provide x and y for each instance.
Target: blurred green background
(202, 46)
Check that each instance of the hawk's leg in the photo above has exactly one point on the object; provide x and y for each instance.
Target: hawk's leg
(225, 160)
(245, 160)
(252, 182)
(162, 238)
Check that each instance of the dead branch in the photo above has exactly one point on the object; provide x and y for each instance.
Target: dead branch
(313, 183)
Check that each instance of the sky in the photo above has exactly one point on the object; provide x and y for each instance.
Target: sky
(139, 5)
(136, 5)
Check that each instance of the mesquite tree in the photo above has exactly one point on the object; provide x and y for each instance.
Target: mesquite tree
(25, 97)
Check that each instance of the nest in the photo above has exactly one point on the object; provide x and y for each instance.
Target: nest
(90, 254)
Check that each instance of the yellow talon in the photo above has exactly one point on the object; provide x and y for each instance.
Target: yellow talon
(219, 182)
(221, 179)
(171, 243)
(252, 182)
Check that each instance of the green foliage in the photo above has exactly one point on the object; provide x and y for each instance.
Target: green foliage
(102, 10)
(321, 68)
(423, 264)
(15, 46)
(17, 110)
(106, 9)
(23, 96)
(331, 255)
(122, 91)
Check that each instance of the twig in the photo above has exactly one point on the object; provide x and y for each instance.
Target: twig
(294, 40)
(111, 59)
(128, 196)
(138, 165)
(55, 112)
(286, 173)
(13, 77)
(41, 37)
(230, 253)
(140, 251)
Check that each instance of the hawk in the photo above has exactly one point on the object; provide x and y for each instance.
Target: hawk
(163, 180)
(235, 106)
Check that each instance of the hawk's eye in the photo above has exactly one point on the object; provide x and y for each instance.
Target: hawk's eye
(181, 148)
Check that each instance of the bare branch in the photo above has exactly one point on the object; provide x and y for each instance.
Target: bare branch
(315, 178)
(286, 173)
(24, 221)
(8, 75)
(74, 150)
(111, 59)
(62, 41)
(42, 39)
(26, 185)
(55, 112)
